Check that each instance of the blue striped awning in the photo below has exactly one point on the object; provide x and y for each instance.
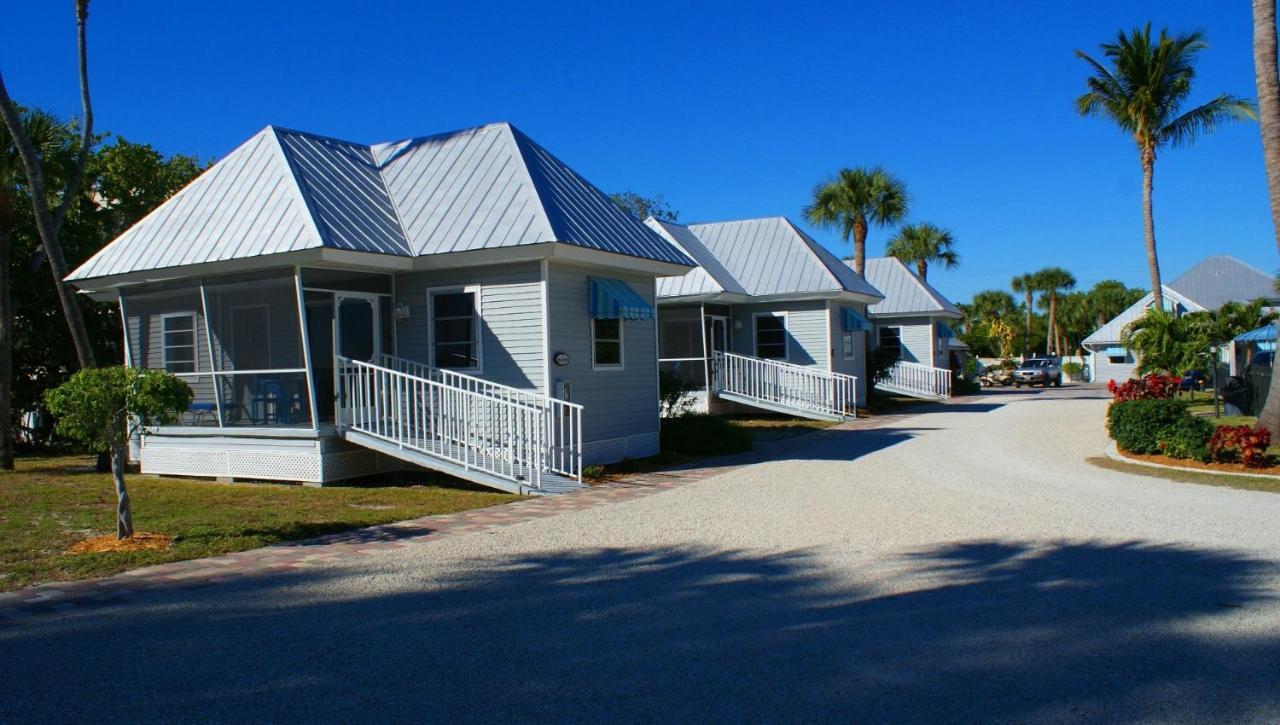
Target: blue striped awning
(1262, 334)
(1116, 352)
(944, 331)
(613, 299)
(851, 321)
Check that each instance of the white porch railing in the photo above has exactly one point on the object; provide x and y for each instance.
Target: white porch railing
(785, 384)
(502, 431)
(917, 379)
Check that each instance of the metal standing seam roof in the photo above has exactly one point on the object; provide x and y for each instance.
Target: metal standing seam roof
(1219, 279)
(1110, 332)
(904, 292)
(708, 278)
(772, 256)
(282, 191)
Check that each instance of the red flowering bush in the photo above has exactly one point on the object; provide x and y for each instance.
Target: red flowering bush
(1152, 386)
(1241, 443)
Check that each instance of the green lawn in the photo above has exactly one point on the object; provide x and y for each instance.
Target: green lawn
(1190, 476)
(48, 504)
(1204, 407)
(773, 427)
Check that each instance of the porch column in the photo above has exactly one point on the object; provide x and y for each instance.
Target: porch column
(306, 347)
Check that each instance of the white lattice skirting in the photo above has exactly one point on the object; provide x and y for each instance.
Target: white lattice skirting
(239, 463)
(612, 450)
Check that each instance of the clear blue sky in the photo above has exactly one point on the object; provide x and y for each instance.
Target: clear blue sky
(730, 110)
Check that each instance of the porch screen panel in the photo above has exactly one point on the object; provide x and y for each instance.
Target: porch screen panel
(170, 316)
(680, 334)
(257, 350)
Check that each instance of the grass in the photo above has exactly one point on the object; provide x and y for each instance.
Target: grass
(765, 428)
(48, 504)
(1189, 476)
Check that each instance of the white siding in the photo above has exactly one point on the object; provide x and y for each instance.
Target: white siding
(807, 340)
(858, 365)
(510, 312)
(917, 335)
(617, 404)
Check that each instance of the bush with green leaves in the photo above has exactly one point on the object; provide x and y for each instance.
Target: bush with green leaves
(701, 434)
(879, 362)
(1136, 425)
(1187, 438)
(1072, 370)
(675, 394)
(102, 407)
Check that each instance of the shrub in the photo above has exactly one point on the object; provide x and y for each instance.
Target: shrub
(674, 394)
(1072, 370)
(879, 362)
(1136, 425)
(1187, 438)
(701, 434)
(1152, 386)
(1242, 443)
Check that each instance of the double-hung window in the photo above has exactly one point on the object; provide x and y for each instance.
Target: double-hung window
(178, 343)
(606, 344)
(455, 329)
(771, 336)
(891, 341)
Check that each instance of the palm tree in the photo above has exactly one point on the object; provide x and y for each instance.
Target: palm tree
(1025, 284)
(921, 244)
(993, 304)
(44, 132)
(1143, 92)
(1109, 298)
(1049, 282)
(1163, 340)
(854, 199)
(1268, 80)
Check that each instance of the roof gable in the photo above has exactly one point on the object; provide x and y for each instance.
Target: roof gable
(772, 256)
(248, 204)
(1110, 332)
(904, 292)
(709, 277)
(1217, 280)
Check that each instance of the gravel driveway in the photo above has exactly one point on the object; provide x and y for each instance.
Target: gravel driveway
(965, 564)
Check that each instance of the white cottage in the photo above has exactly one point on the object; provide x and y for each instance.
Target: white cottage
(913, 321)
(769, 319)
(463, 302)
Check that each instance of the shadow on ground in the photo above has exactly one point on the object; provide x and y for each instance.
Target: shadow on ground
(996, 630)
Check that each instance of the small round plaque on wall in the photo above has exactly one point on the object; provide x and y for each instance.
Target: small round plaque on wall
(561, 359)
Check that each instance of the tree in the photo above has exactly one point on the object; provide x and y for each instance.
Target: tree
(1268, 81)
(854, 199)
(1109, 298)
(44, 133)
(924, 244)
(1163, 340)
(1050, 282)
(643, 207)
(1003, 334)
(1143, 93)
(103, 407)
(49, 221)
(1025, 284)
(994, 304)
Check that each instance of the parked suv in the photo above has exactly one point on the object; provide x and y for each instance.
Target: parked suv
(1038, 371)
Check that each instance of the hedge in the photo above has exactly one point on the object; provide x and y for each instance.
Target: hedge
(1137, 425)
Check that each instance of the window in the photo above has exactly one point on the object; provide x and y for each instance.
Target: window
(846, 342)
(606, 344)
(178, 338)
(455, 329)
(1118, 358)
(771, 337)
(891, 341)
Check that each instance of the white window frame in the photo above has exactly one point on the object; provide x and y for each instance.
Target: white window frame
(786, 335)
(474, 289)
(195, 342)
(622, 347)
(891, 327)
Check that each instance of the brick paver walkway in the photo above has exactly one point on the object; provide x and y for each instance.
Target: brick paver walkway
(62, 596)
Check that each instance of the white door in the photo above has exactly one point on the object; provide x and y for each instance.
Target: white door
(717, 341)
(355, 336)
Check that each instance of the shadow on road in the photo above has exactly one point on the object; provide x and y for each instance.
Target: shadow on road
(995, 630)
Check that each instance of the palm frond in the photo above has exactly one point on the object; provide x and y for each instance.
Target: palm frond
(1206, 118)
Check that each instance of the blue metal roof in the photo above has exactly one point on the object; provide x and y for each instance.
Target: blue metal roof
(1261, 334)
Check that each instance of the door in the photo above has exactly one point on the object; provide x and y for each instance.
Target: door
(356, 336)
(717, 341)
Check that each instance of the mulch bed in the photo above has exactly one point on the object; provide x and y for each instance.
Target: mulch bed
(137, 542)
(1271, 470)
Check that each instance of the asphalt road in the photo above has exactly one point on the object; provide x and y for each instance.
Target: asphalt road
(962, 565)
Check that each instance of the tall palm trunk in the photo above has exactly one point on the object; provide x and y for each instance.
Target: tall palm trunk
(922, 270)
(1149, 225)
(1268, 80)
(859, 244)
(6, 334)
(1053, 324)
(1026, 336)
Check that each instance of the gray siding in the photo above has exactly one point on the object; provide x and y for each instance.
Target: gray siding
(145, 336)
(917, 337)
(511, 319)
(1104, 369)
(807, 340)
(857, 366)
(616, 403)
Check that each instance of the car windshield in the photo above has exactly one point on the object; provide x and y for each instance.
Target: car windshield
(1036, 364)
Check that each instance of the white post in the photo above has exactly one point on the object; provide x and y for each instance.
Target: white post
(306, 350)
(208, 337)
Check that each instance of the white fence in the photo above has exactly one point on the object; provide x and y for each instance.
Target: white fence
(506, 432)
(916, 379)
(793, 386)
